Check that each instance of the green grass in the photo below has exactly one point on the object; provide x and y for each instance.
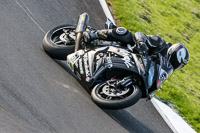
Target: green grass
(176, 21)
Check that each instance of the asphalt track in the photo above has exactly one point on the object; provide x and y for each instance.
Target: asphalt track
(37, 94)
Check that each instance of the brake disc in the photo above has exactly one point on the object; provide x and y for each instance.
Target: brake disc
(113, 92)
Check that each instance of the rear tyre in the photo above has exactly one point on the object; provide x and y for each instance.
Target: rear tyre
(108, 98)
(59, 42)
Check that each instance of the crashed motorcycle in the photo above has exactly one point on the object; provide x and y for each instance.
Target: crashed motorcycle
(117, 76)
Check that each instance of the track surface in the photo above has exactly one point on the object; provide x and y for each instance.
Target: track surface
(37, 95)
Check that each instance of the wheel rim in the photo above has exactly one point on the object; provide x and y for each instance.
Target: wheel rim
(110, 91)
(63, 36)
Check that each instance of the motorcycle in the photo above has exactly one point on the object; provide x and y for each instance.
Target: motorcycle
(117, 76)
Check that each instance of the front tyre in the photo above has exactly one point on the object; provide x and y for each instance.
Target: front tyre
(59, 42)
(108, 97)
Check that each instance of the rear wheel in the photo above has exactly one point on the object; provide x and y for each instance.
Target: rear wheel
(108, 95)
(60, 41)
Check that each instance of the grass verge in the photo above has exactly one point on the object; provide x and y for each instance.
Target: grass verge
(176, 21)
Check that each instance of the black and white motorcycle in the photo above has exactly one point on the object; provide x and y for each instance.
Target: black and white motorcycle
(117, 76)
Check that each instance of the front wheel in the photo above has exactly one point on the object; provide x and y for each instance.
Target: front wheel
(107, 95)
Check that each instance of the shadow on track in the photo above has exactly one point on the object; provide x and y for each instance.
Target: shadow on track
(127, 121)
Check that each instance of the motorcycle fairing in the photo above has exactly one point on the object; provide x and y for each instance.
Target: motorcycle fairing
(90, 65)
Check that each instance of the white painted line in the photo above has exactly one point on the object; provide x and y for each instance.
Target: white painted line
(153, 100)
(175, 122)
(106, 10)
(29, 13)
